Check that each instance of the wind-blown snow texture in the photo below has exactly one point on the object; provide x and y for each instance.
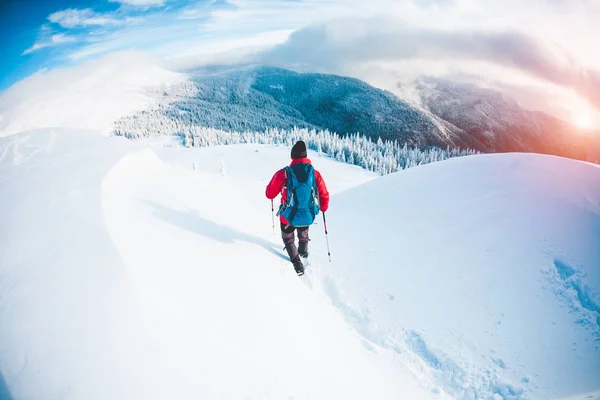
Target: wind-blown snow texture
(130, 271)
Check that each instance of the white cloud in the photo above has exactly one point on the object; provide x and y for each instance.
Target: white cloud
(550, 41)
(54, 40)
(81, 18)
(140, 3)
(532, 93)
(347, 45)
(226, 51)
(91, 95)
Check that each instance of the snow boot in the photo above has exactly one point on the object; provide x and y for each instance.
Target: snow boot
(298, 266)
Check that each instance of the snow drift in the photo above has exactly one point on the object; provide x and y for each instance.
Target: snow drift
(131, 271)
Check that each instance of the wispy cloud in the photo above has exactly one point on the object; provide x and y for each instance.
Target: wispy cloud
(53, 40)
(81, 18)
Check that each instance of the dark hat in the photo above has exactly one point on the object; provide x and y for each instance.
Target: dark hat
(299, 150)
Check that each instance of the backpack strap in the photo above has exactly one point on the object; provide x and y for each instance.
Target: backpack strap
(310, 170)
(286, 172)
(286, 185)
(316, 188)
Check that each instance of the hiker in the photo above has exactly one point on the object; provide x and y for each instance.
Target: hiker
(300, 185)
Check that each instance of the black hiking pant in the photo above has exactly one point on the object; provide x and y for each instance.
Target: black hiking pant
(289, 240)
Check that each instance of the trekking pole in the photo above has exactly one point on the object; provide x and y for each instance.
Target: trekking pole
(273, 215)
(326, 237)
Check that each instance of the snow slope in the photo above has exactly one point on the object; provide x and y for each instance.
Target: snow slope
(69, 325)
(485, 268)
(146, 270)
(210, 274)
(125, 277)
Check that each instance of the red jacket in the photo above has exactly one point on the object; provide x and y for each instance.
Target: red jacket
(275, 187)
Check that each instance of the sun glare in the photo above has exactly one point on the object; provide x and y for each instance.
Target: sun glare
(585, 121)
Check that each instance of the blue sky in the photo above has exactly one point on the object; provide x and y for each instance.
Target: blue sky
(543, 52)
(21, 22)
(45, 34)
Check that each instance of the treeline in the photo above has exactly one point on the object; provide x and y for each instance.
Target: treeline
(383, 157)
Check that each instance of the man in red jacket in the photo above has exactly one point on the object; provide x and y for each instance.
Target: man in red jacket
(276, 186)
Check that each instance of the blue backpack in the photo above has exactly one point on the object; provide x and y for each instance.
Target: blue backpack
(301, 206)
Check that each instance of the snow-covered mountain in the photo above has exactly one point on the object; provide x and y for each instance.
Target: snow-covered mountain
(145, 270)
(134, 95)
(257, 98)
(499, 124)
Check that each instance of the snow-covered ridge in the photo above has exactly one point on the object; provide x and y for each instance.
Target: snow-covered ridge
(130, 271)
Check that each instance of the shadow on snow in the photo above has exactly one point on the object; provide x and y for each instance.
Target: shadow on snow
(4, 392)
(195, 223)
